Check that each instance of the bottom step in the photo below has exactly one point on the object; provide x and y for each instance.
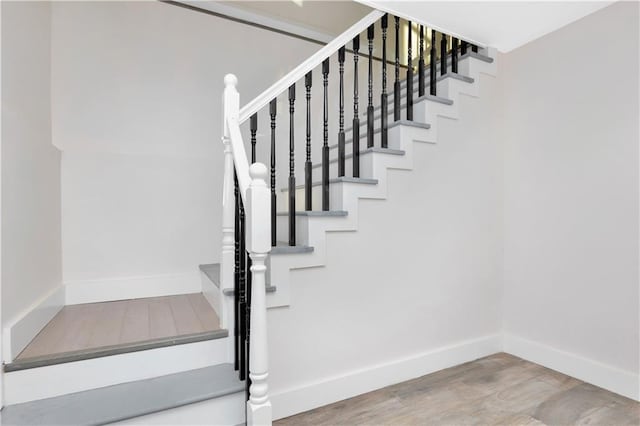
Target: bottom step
(128, 400)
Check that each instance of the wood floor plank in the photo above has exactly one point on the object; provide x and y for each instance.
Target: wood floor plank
(496, 390)
(95, 325)
(78, 329)
(108, 323)
(161, 321)
(135, 325)
(205, 313)
(50, 335)
(184, 315)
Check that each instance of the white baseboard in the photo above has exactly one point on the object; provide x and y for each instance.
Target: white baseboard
(312, 395)
(20, 331)
(103, 290)
(605, 376)
(61, 379)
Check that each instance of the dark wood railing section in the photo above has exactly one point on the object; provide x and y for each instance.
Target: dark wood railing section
(433, 52)
(370, 124)
(325, 136)
(383, 96)
(341, 147)
(443, 54)
(454, 55)
(308, 167)
(401, 99)
(421, 63)
(272, 113)
(409, 76)
(292, 165)
(355, 129)
(396, 83)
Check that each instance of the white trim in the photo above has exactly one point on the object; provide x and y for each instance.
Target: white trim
(310, 63)
(213, 295)
(605, 376)
(384, 7)
(311, 395)
(20, 331)
(103, 290)
(261, 19)
(61, 379)
(224, 410)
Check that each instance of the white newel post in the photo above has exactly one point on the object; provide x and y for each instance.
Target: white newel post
(258, 245)
(230, 108)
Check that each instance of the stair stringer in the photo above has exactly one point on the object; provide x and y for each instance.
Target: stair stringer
(343, 196)
(346, 195)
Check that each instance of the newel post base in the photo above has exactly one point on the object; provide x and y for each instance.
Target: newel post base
(258, 244)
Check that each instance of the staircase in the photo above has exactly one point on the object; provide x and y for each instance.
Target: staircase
(328, 199)
(270, 230)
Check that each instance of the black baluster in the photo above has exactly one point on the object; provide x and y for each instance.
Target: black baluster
(370, 31)
(443, 54)
(253, 125)
(421, 64)
(308, 170)
(236, 274)
(432, 63)
(474, 48)
(454, 55)
(292, 176)
(355, 132)
(396, 84)
(247, 321)
(384, 107)
(341, 153)
(409, 77)
(463, 47)
(325, 142)
(272, 113)
(243, 294)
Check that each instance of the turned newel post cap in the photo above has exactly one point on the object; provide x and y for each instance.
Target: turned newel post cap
(258, 171)
(230, 80)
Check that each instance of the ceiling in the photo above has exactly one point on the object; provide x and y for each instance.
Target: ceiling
(505, 25)
(329, 17)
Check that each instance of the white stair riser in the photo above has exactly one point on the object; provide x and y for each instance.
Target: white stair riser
(366, 166)
(226, 410)
(345, 196)
(55, 380)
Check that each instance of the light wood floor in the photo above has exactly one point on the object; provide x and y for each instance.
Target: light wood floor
(497, 390)
(96, 325)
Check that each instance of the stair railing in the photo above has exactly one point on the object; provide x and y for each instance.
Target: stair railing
(249, 205)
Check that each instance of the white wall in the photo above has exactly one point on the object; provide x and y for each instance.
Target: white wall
(31, 247)
(571, 199)
(137, 113)
(418, 285)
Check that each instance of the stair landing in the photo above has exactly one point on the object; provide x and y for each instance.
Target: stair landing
(94, 330)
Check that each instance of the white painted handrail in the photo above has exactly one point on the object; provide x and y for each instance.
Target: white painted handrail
(313, 61)
(256, 198)
(232, 134)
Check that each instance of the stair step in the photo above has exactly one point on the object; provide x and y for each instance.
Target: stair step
(389, 151)
(285, 248)
(343, 179)
(427, 71)
(124, 401)
(212, 271)
(317, 213)
(427, 84)
(403, 105)
(105, 351)
(231, 292)
(377, 130)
